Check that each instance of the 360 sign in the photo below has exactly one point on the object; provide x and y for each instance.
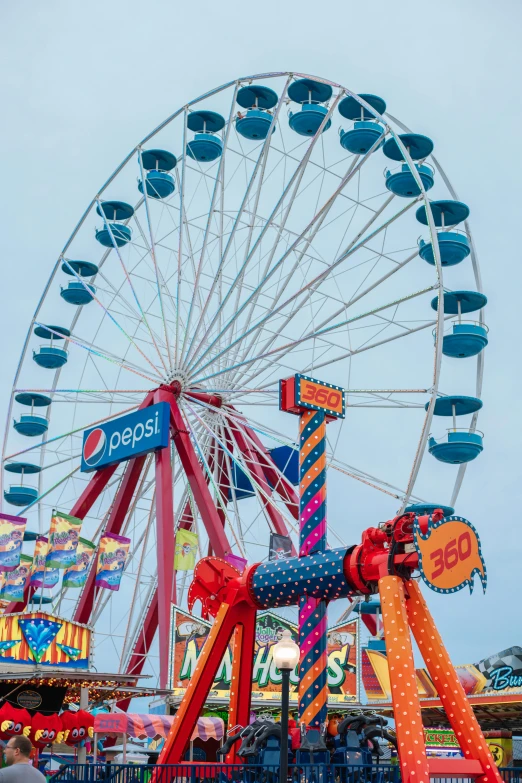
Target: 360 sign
(449, 554)
(300, 392)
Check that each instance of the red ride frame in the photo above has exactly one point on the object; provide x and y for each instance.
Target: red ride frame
(158, 612)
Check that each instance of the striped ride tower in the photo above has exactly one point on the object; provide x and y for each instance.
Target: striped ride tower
(313, 692)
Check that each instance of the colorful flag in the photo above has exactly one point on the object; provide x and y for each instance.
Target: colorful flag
(12, 531)
(76, 575)
(40, 575)
(111, 560)
(15, 581)
(186, 548)
(63, 541)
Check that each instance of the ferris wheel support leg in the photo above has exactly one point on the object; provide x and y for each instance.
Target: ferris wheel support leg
(457, 707)
(165, 552)
(197, 481)
(115, 522)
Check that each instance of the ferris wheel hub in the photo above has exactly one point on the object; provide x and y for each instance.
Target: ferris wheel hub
(177, 380)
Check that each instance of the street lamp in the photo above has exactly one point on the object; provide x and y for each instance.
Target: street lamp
(286, 657)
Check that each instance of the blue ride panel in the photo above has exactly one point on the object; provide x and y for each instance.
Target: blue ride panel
(122, 235)
(417, 145)
(466, 339)
(243, 487)
(421, 509)
(308, 121)
(286, 459)
(453, 248)
(77, 293)
(160, 184)
(255, 124)
(402, 183)
(457, 448)
(350, 108)
(361, 137)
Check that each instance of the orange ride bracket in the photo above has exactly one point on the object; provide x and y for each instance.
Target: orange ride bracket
(403, 607)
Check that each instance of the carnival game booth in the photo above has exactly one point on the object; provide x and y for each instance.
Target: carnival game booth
(206, 737)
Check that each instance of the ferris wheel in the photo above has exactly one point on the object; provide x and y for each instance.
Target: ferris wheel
(252, 235)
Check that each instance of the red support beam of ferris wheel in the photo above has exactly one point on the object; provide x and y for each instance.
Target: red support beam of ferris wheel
(114, 524)
(81, 508)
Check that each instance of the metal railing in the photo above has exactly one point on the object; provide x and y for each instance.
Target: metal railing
(207, 772)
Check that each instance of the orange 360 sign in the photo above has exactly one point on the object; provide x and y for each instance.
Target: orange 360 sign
(301, 392)
(449, 553)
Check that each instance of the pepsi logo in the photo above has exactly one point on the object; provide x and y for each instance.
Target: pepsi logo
(94, 447)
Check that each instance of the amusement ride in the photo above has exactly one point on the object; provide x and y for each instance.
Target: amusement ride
(277, 227)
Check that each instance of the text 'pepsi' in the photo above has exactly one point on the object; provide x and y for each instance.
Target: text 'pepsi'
(126, 437)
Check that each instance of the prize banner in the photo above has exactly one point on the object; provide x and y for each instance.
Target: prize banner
(40, 575)
(111, 560)
(76, 575)
(12, 531)
(63, 541)
(15, 581)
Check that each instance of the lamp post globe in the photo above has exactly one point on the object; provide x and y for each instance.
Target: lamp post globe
(286, 656)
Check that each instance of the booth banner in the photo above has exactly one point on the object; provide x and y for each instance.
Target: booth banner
(500, 673)
(44, 639)
(189, 634)
(63, 541)
(186, 549)
(76, 575)
(111, 560)
(15, 581)
(41, 576)
(12, 531)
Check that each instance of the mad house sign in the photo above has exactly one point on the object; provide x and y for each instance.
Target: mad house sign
(189, 634)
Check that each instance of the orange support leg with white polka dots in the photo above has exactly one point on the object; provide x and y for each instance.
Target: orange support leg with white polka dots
(406, 706)
(457, 707)
(403, 606)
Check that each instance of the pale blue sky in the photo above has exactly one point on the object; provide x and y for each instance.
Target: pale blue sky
(82, 83)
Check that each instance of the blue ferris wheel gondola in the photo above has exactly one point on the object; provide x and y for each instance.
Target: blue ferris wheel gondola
(403, 183)
(30, 424)
(460, 445)
(366, 130)
(205, 146)
(258, 101)
(311, 95)
(20, 494)
(468, 338)
(77, 293)
(158, 164)
(113, 211)
(50, 356)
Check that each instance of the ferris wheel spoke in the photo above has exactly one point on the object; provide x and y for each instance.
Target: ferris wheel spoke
(210, 218)
(311, 286)
(127, 276)
(293, 183)
(259, 169)
(159, 284)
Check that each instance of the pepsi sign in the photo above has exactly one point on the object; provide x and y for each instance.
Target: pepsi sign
(126, 437)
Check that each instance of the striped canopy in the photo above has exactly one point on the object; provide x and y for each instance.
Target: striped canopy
(152, 726)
